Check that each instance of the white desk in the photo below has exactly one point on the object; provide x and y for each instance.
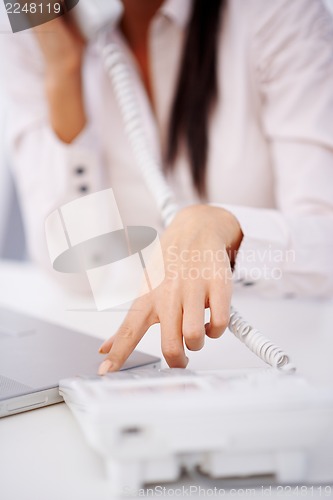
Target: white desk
(42, 453)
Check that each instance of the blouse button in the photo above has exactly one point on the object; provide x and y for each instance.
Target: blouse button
(248, 283)
(79, 170)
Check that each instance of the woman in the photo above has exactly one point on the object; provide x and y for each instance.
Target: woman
(237, 98)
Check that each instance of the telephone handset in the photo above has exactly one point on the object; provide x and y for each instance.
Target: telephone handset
(93, 17)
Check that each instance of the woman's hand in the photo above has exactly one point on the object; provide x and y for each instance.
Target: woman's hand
(62, 47)
(198, 248)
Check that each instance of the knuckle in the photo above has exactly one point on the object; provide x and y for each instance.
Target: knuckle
(171, 350)
(143, 310)
(221, 322)
(126, 332)
(193, 334)
(195, 346)
(170, 285)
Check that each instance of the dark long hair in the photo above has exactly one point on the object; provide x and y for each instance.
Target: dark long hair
(196, 92)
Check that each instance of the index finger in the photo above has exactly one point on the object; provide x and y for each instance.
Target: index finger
(126, 339)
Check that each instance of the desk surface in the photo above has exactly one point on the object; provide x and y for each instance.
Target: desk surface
(42, 453)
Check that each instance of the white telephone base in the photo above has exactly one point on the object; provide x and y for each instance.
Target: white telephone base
(150, 424)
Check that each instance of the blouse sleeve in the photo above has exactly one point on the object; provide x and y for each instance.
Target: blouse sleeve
(289, 250)
(47, 171)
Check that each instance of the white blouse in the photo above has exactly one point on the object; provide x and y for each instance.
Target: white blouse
(270, 138)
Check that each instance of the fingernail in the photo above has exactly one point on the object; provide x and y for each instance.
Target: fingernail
(100, 350)
(104, 367)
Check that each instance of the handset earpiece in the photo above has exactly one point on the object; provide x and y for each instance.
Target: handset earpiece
(91, 16)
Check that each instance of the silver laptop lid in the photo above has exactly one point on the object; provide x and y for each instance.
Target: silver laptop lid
(35, 355)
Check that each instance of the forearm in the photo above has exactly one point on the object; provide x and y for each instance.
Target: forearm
(65, 101)
(62, 48)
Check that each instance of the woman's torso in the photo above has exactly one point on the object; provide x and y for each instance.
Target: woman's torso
(239, 169)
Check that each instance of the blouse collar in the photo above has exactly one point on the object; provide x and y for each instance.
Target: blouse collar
(178, 11)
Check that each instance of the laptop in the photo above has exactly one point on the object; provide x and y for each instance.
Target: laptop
(36, 355)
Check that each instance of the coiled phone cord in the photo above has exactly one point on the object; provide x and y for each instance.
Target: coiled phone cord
(152, 173)
(258, 343)
(150, 169)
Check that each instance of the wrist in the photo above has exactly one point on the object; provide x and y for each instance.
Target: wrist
(230, 230)
(234, 235)
(218, 220)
